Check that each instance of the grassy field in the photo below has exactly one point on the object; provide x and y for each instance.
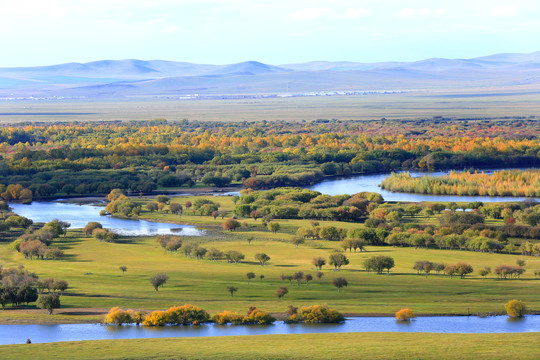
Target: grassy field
(92, 270)
(401, 346)
(470, 103)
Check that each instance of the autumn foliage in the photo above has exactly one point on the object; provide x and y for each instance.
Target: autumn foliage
(405, 315)
(500, 183)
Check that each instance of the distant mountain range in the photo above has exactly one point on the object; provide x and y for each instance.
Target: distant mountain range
(139, 78)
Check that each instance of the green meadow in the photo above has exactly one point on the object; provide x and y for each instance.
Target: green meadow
(96, 283)
(378, 346)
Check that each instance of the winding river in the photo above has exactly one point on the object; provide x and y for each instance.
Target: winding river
(79, 215)
(17, 334)
(355, 184)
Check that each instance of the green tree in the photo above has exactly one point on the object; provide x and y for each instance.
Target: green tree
(337, 260)
(250, 275)
(232, 290)
(262, 258)
(318, 262)
(158, 280)
(48, 302)
(274, 227)
(339, 283)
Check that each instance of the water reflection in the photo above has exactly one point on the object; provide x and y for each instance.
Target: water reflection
(359, 183)
(17, 334)
(79, 215)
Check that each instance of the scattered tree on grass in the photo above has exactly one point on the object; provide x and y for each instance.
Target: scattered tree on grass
(163, 199)
(297, 241)
(123, 268)
(379, 263)
(91, 226)
(503, 271)
(308, 278)
(281, 292)
(424, 266)
(320, 275)
(232, 290)
(48, 302)
(233, 256)
(318, 262)
(463, 269)
(274, 227)
(250, 275)
(176, 208)
(158, 280)
(485, 272)
(340, 282)
(105, 235)
(231, 225)
(214, 254)
(152, 206)
(298, 276)
(262, 258)
(261, 277)
(337, 260)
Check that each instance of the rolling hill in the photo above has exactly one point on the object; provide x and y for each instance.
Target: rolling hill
(140, 78)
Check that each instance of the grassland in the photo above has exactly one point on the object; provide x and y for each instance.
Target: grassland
(401, 346)
(471, 103)
(92, 270)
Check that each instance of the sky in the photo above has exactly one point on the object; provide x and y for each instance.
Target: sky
(39, 32)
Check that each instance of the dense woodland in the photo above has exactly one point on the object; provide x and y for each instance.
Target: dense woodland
(94, 158)
(500, 183)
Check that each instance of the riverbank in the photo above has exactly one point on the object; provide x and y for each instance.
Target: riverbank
(372, 345)
(96, 315)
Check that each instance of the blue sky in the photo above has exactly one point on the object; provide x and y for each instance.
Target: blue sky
(42, 32)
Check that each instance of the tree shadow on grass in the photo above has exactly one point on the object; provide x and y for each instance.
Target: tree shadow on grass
(286, 266)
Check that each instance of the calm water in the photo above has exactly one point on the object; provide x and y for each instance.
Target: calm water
(17, 334)
(356, 184)
(79, 215)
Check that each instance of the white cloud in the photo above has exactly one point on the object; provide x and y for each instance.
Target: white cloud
(414, 12)
(169, 29)
(407, 12)
(353, 13)
(505, 10)
(311, 13)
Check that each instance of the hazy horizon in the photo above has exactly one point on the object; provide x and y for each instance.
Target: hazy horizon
(39, 33)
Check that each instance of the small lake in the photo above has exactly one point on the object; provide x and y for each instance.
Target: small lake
(79, 215)
(17, 334)
(358, 183)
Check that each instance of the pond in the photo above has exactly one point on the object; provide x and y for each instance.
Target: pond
(17, 334)
(358, 183)
(79, 215)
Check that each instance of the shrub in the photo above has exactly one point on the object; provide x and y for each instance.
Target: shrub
(155, 318)
(117, 316)
(515, 308)
(320, 314)
(256, 316)
(405, 315)
(227, 317)
(185, 315)
(230, 224)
